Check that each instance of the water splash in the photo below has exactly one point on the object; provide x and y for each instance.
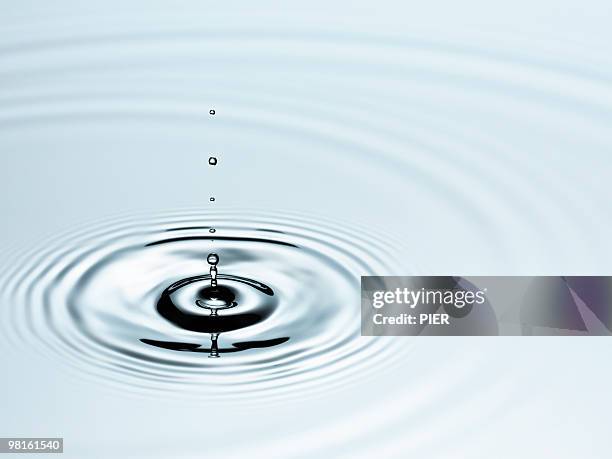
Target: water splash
(123, 301)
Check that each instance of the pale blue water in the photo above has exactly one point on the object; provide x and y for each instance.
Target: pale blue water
(450, 138)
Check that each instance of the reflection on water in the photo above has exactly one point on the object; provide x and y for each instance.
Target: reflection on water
(236, 347)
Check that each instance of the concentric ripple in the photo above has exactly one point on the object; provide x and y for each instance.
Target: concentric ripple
(118, 300)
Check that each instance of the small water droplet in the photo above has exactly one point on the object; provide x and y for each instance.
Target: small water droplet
(212, 161)
(212, 259)
(212, 112)
(212, 199)
(212, 230)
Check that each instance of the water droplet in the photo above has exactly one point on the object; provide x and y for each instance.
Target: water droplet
(212, 230)
(212, 112)
(212, 259)
(214, 346)
(212, 199)
(212, 161)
